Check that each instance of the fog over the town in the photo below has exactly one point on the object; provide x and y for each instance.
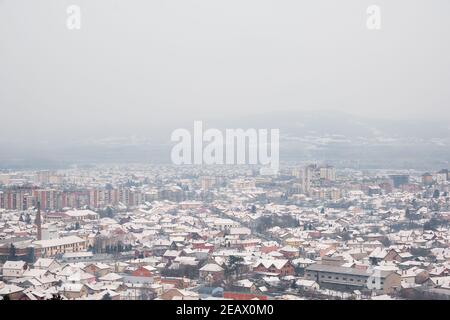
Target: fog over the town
(137, 70)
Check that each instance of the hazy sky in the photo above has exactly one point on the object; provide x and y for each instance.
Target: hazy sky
(142, 64)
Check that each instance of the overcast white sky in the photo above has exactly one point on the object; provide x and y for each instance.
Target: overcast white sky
(139, 63)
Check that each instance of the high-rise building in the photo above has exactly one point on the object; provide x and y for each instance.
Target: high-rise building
(399, 179)
(307, 177)
(328, 173)
(207, 182)
(427, 179)
(442, 176)
(46, 197)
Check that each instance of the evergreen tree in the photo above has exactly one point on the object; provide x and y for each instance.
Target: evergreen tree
(107, 296)
(233, 266)
(109, 212)
(436, 194)
(31, 255)
(12, 252)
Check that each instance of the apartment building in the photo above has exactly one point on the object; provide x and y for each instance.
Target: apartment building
(345, 278)
(52, 247)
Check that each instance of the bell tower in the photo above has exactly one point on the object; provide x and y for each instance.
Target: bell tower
(38, 221)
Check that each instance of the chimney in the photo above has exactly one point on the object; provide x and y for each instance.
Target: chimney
(38, 221)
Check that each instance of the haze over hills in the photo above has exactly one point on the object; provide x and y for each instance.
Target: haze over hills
(114, 90)
(331, 136)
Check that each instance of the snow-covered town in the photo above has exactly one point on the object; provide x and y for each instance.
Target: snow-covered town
(209, 233)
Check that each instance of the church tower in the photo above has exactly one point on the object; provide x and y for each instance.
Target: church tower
(38, 221)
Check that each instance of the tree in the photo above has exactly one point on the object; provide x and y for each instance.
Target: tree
(263, 223)
(407, 212)
(144, 295)
(284, 221)
(294, 285)
(386, 242)
(109, 212)
(31, 255)
(436, 194)
(346, 236)
(298, 270)
(106, 296)
(56, 297)
(233, 266)
(420, 252)
(411, 216)
(77, 225)
(12, 252)
(434, 223)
